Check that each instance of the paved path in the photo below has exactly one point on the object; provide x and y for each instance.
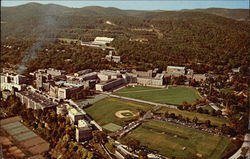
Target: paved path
(143, 101)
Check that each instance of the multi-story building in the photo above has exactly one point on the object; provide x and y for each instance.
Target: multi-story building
(11, 81)
(150, 77)
(152, 81)
(113, 58)
(148, 73)
(83, 72)
(64, 90)
(105, 75)
(75, 114)
(87, 80)
(110, 84)
(62, 109)
(35, 100)
(102, 41)
(40, 79)
(176, 70)
(83, 131)
(54, 72)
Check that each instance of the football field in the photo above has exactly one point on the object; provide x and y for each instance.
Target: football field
(177, 141)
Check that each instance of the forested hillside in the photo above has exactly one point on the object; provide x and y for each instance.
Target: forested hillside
(201, 39)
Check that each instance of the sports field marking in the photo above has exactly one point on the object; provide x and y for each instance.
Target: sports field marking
(125, 114)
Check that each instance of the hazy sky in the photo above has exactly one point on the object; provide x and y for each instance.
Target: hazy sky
(143, 5)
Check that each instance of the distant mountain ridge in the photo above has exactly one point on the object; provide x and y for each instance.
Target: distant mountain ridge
(48, 9)
(238, 14)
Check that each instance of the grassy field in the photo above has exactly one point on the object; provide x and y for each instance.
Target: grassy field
(104, 111)
(112, 127)
(170, 141)
(202, 117)
(172, 95)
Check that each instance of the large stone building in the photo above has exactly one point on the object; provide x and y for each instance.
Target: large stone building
(105, 75)
(83, 72)
(83, 131)
(151, 81)
(87, 80)
(176, 70)
(110, 57)
(64, 90)
(75, 114)
(54, 72)
(147, 78)
(102, 41)
(35, 100)
(148, 73)
(11, 81)
(110, 84)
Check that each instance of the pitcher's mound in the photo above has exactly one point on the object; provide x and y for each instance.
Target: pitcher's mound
(125, 114)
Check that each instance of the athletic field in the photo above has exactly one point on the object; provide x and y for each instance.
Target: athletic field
(181, 142)
(171, 95)
(202, 117)
(104, 111)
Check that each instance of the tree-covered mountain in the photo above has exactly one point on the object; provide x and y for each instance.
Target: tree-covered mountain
(196, 38)
(238, 14)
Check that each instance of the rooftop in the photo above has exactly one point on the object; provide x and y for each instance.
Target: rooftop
(66, 84)
(38, 98)
(82, 123)
(73, 110)
(177, 67)
(106, 39)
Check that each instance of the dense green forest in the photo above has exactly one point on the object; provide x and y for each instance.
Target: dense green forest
(205, 40)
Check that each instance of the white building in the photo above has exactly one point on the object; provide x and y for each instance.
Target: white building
(74, 114)
(83, 131)
(176, 70)
(102, 41)
(10, 81)
(54, 72)
(105, 75)
(110, 58)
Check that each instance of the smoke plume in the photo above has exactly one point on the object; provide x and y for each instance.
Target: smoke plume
(46, 26)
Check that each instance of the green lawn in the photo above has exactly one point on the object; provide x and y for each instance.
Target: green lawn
(104, 111)
(112, 127)
(170, 139)
(202, 117)
(172, 95)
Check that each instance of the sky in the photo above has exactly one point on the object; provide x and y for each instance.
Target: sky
(141, 4)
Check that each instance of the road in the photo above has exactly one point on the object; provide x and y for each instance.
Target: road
(246, 143)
